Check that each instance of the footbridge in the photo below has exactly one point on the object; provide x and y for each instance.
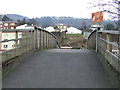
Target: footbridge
(36, 61)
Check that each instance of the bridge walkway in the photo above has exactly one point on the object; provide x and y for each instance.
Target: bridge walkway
(58, 68)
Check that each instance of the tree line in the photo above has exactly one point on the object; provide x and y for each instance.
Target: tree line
(80, 23)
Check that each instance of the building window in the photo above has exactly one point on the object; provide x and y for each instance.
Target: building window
(13, 46)
(12, 27)
(13, 34)
(5, 39)
(6, 35)
(6, 24)
(0, 25)
(12, 24)
(5, 27)
(65, 27)
(5, 46)
(20, 34)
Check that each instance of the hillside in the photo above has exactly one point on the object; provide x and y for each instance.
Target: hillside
(44, 22)
(16, 17)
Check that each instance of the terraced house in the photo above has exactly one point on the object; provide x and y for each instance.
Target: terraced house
(8, 24)
(8, 35)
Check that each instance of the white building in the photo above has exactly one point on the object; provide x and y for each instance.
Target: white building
(73, 30)
(11, 35)
(94, 26)
(25, 26)
(7, 36)
(50, 29)
(62, 27)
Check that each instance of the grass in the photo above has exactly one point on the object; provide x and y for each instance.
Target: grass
(74, 40)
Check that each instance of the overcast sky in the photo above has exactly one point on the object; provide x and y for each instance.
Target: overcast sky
(39, 8)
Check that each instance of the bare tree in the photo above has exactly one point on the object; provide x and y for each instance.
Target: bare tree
(110, 6)
(84, 24)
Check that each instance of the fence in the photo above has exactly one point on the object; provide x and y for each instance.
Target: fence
(107, 46)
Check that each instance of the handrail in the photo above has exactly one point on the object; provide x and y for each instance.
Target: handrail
(110, 31)
(116, 45)
(47, 32)
(50, 34)
(14, 30)
(14, 39)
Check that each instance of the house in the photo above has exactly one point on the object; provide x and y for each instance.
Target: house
(73, 30)
(25, 26)
(8, 36)
(50, 29)
(94, 26)
(62, 27)
(8, 24)
(11, 35)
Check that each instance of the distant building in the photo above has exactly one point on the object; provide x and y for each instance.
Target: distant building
(8, 24)
(11, 35)
(25, 26)
(62, 27)
(50, 29)
(8, 36)
(94, 26)
(73, 30)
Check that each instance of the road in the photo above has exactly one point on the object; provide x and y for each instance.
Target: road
(58, 68)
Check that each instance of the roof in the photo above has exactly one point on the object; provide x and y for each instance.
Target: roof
(97, 25)
(25, 26)
(9, 21)
(62, 24)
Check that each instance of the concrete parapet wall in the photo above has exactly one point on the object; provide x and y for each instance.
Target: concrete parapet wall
(91, 42)
(105, 43)
(23, 45)
(45, 39)
(31, 40)
(112, 75)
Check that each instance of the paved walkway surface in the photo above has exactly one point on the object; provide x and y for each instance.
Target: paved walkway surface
(58, 69)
